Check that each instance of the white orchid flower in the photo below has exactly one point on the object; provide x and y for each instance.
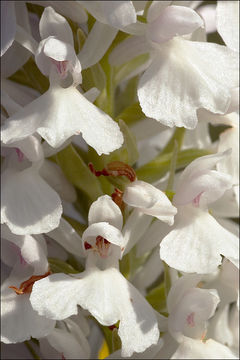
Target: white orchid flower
(56, 48)
(19, 321)
(29, 205)
(197, 240)
(189, 309)
(60, 112)
(161, 98)
(112, 298)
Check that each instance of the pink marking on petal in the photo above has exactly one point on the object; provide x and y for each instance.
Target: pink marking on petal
(19, 154)
(190, 320)
(18, 251)
(61, 67)
(196, 200)
(63, 357)
(102, 246)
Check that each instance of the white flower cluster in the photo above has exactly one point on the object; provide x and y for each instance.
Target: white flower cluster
(120, 179)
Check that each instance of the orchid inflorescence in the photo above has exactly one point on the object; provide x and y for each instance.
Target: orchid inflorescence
(120, 179)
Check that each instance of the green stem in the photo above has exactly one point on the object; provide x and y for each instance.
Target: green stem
(167, 279)
(32, 351)
(178, 137)
(110, 92)
(172, 168)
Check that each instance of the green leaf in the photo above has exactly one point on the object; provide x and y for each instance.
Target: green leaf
(60, 266)
(116, 341)
(156, 297)
(30, 75)
(93, 77)
(167, 279)
(98, 76)
(78, 173)
(127, 95)
(158, 167)
(72, 261)
(81, 38)
(131, 114)
(177, 137)
(129, 142)
(128, 153)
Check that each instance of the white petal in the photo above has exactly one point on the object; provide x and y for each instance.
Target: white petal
(135, 227)
(112, 299)
(68, 238)
(65, 343)
(55, 177)
(149, 273)
(53, 24)
(198, 138)
(13, 59)
(173, 21)
(150, 353)
(117, 14)
(29, 205)
(16, 56)
(152, 237)
(21, 94)
(91, 52)
(227, 206)
(8, 25)
(71, 9)
(53, 48)
(218, 328)
(234, 105)
(9, 104)
(107, 231)
(156, 8)
(189, 318)
(26, 40)
(92, 94)
(30, 147)
(79, 327)
(149, 200)
(60, 113)
(197, 349)
(105, 209)
(196, 243)
(208, 13)
(19, 321)
(129, 49)
(202, 82)
(31, 249)
(230, 165)
(180, 288)
(198, 179)
(228, 22)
